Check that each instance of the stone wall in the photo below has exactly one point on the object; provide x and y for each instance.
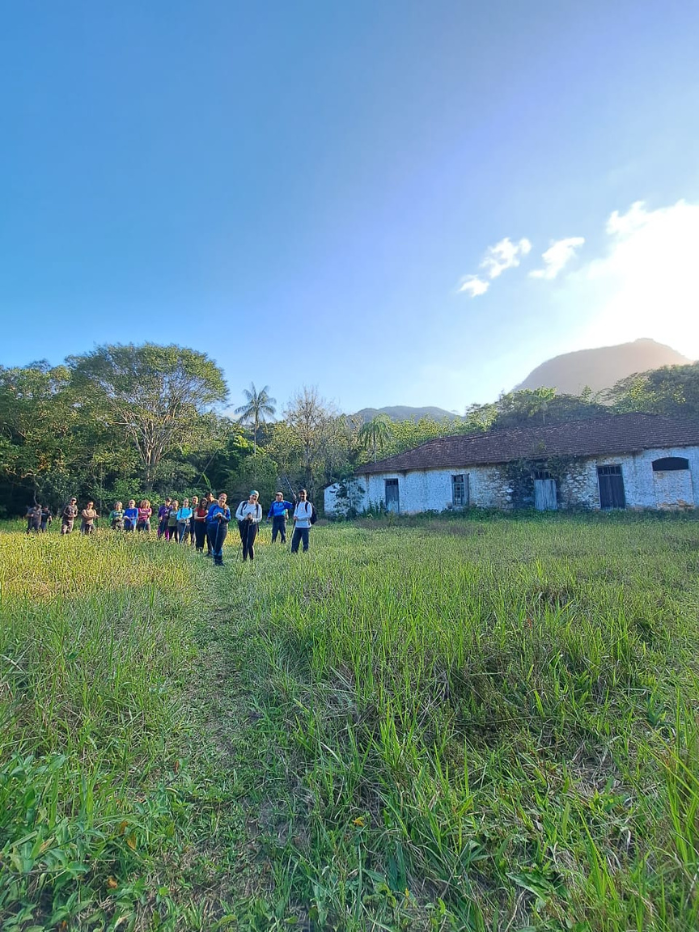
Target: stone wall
(431, 489)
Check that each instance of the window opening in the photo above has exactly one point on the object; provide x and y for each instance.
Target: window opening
(458, 491)
(670, 463)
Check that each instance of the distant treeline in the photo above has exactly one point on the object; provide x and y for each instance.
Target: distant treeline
(126, 421)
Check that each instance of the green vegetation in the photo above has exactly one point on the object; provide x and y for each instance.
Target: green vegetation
(130, 421)
(482, 722)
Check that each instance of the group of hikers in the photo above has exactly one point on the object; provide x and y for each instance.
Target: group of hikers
(201, 522)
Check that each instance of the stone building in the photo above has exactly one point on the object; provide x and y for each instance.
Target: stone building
(618, 461)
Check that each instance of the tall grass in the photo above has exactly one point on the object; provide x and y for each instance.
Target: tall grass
(484, 723)
(98, 811)
(491, 724)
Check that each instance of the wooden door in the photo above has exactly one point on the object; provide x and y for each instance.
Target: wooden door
(545, 498)
(611, 487)
(392, 502)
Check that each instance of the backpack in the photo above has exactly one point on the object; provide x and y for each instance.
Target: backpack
(314, 514)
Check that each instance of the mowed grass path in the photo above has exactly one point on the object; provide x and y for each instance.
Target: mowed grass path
(477, 723)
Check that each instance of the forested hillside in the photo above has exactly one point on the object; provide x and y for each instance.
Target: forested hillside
(141, 421)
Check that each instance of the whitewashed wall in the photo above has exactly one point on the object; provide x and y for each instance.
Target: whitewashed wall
(431, 489)
(643, 487)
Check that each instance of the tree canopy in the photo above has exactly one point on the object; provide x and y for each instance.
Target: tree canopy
(123, 421)
(153, 393)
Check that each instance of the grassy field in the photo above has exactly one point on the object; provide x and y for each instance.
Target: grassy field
(483, 723)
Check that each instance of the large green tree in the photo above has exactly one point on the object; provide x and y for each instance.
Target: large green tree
(154, 395)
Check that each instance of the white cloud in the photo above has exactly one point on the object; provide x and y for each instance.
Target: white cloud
(645, 285)
(504, 255)
(624, 224)
(557, 256)
(473, 286)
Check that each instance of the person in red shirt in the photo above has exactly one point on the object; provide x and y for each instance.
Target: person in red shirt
(144, 513)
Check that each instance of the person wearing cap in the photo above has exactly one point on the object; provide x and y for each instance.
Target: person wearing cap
(70, 513)
(249, 515)
(303, 514)
(217, 521)
(277, 512)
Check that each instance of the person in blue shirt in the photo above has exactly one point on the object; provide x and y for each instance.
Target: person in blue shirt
(184, 514)
(217, 521)
(277, 512)
(130, 516)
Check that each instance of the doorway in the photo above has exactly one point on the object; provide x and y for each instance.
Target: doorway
(611, 487)
(392, 501)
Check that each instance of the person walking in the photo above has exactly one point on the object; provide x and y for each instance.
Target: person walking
(277, 512)
(163, 513)
(46, 518)
(210, 500)
(184, 516)
(89, 516)
(217, 522)
(144, 513)
(33, 519)
(130, 516)
(171, 533)
(70, 513)
(304, 515)
(249, 515)
(190, 530)
(116, 517)
(199, 517)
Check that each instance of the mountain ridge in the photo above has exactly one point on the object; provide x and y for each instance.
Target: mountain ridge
(601, 367)
(406, 413)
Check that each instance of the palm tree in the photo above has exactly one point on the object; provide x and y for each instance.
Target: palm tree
(376, 433)
(256, 408)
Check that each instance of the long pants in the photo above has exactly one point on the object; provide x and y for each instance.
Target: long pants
(200, 535)
(162, 527)
(300, 534)
(218, 531)
(182, 528)
(248, 533)
(210, 534)
(191, 532)
(33, 526)
(171, 533)
(279, 527)
(143, 525)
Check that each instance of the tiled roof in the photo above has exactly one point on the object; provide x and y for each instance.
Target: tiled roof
(616, 433)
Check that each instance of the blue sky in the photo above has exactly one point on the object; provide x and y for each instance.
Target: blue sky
(308, 191)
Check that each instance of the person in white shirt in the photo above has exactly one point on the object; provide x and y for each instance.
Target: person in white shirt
(302, 522)
(248, 516)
